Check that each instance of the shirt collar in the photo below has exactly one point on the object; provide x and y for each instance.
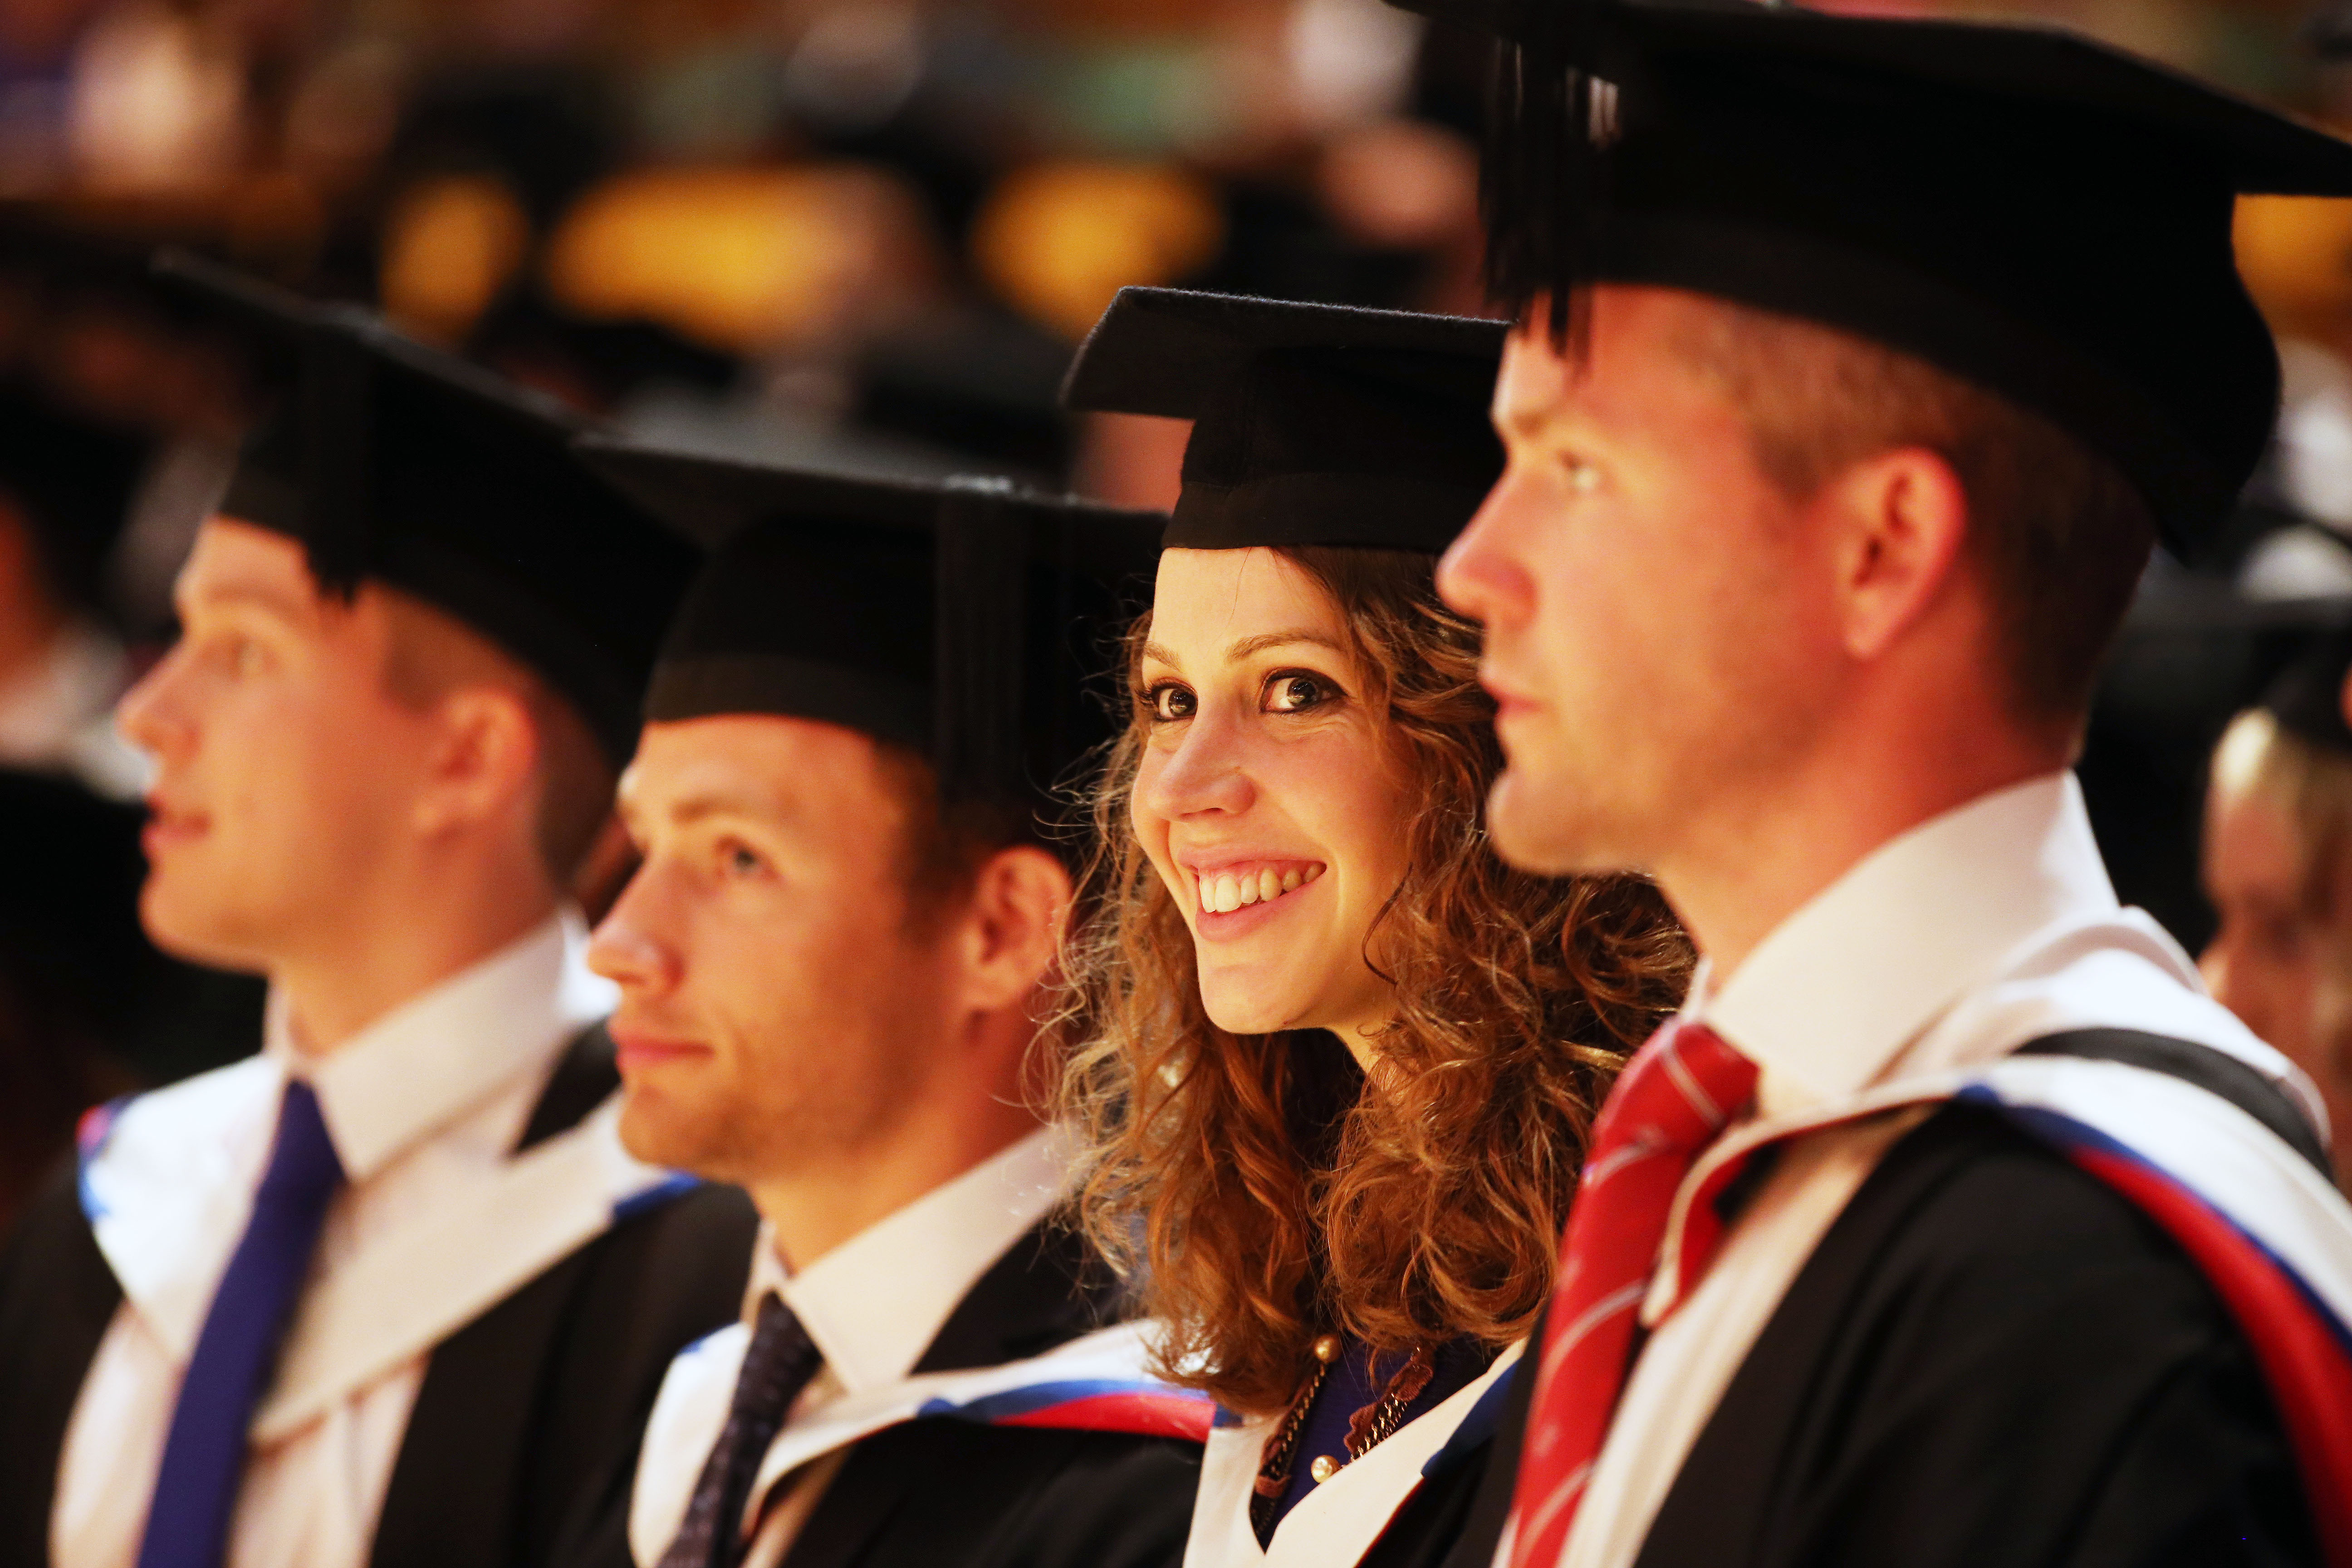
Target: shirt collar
(1827, 1002)
(437, 1055)
(875, 1303)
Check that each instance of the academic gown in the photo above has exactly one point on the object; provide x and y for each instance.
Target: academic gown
(1975, 1269)
(524, 1436)
(1906, 1367)
(991, 1458)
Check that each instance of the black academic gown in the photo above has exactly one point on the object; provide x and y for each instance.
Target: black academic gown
(1990, 1358)
(524, 1436)
(927, 1493)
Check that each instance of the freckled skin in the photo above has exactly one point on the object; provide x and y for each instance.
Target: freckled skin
(766, 936)
(1269, 753)
(1652, 623)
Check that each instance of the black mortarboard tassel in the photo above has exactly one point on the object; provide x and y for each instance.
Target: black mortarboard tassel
(334, 407)
(1550, 123)
(981, 559)
(1313, 424)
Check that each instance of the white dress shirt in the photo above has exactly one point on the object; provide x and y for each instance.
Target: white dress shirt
(871, 1306)
(425, 1107)
(1947, 947)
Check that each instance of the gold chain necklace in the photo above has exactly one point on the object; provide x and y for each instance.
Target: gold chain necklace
(1367, 1429)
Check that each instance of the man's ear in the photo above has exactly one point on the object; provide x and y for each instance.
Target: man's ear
(1900, 518)
(1019, 909)
(483, 762)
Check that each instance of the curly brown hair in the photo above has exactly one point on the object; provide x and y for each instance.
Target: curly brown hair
(1257, 1199)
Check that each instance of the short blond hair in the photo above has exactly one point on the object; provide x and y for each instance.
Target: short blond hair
(2059, 537)
(432, 654)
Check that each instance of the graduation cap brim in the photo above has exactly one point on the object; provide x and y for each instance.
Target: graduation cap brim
(2262, 151)
(1169, 351)
(711, 499)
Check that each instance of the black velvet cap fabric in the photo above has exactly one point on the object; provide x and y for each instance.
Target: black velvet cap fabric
(2038, 213)
(395, 462)
(972, 625)
(2307, 698)
(1313, 424)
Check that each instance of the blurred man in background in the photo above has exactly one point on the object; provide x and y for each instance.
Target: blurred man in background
(2278, 866)
(389, 1292)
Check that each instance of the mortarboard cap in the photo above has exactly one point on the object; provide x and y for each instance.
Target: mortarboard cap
(964, 621)
(2035, 213)
(1312, 423)
(2307, 698)
(395, 462)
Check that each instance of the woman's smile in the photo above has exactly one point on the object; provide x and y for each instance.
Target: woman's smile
(1221, 884)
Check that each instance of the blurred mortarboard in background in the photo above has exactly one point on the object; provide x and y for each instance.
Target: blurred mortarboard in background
(2307, 698)
(1314, 425)
(392, 461)
(2041, 214)
(971, 624)
(72, 476)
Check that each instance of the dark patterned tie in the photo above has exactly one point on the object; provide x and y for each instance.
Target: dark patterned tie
(778, 1365)
(203, 1454)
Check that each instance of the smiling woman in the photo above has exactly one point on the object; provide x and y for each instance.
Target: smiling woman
(1337, 1061)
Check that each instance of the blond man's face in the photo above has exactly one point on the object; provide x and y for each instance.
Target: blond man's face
(1653, 625)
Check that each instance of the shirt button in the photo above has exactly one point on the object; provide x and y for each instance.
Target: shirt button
(1324, 1467)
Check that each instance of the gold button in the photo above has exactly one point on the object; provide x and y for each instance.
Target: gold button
(1326, 1349)
(1324, 1467)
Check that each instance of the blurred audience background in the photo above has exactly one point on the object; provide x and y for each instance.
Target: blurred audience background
(862, 234)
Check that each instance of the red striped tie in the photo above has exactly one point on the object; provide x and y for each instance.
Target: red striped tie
(1674, 1095)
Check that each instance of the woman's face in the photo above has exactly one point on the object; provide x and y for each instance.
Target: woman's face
(1268, 797)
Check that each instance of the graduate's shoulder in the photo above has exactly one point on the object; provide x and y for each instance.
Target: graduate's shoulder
(997, 1497)
(1974, 1222)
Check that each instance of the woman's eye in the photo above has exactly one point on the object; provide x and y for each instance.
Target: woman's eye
(1167, 702)
(742, 861)
(1295, 691)
(1583, 477)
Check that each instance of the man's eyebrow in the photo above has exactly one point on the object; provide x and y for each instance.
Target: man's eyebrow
(238, 595)
(687, 810)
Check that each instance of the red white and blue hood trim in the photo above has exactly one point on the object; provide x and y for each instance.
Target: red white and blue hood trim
(1099, 1383)
(2267, 1227)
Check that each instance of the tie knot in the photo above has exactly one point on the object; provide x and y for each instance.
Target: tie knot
(302, 1160)
(779, 1362)
(1676, 1094)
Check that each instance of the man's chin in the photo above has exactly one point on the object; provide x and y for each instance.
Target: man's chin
(659, 1128)
(193, 929)
(1539, 827)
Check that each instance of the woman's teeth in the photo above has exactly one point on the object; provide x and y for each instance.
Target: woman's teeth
(1226, 891)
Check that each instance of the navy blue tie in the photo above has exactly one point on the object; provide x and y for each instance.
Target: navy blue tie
(203, 1456)
(779, 1363)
